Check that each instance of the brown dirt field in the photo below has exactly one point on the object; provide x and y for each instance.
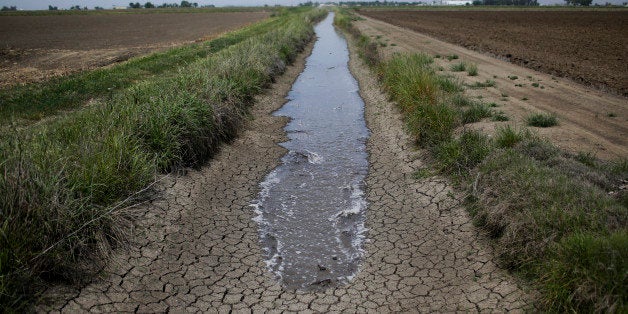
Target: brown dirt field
(589, 120)
(590, 47)
(33, 48)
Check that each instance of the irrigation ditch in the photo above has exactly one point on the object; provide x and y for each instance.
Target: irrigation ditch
(198, 247)
(278, 218)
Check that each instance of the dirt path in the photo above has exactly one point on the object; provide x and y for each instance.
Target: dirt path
(589, 120)
(197, 248)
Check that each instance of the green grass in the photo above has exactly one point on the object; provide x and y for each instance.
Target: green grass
(587, 158)
(556, 219)
(458, 67)
(508, 137)
(422, 174)
(458, 155)
(542, 120)
(472, 69)
(476, 112)
(565, 233)
(33, 102)
(67, 181)
(412, 83)
(459, 100)
(485, 84)
(452, 57)
(499, 116)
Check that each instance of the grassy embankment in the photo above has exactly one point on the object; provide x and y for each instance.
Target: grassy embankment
(66, 181)
(558, 219)
(23, 104)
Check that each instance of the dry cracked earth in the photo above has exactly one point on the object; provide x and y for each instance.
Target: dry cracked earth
(196, 248)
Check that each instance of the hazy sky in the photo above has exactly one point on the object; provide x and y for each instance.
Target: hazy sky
(43, 4)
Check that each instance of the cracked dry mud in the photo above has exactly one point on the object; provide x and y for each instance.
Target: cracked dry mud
(197, 249)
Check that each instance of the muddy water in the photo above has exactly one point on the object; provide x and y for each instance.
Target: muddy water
(311, 209)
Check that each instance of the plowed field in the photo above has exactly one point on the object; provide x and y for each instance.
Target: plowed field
(590, 47)
(36, 47)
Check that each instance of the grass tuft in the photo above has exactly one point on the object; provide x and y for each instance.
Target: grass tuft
(452, 57)
(476, 112)
(458, 156)
(542, 120)
(499, 116)
(458, 67)
(411, 82)
(485, 84)
(472, 69)
(507, 137)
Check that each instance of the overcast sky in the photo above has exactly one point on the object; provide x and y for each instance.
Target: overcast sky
(43, 4)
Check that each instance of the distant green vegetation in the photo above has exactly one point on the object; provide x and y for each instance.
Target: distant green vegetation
(542, 120)
(65, 181)
(557, 219)
(133, 11)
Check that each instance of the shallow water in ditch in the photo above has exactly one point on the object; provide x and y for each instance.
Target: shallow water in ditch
(311, 209)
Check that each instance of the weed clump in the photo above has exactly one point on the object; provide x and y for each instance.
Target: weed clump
(458, 156)
(472, 69)
(542, 120)
(458, 67)
(499, 116)
(508, 137)
(452, 57)
(485, 84)
(476, 112)
(419, 92)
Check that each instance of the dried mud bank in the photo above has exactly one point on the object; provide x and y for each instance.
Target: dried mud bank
(197, 246)
(419, 232)
(197, 249)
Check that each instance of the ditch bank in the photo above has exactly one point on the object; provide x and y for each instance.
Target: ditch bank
(197, 248)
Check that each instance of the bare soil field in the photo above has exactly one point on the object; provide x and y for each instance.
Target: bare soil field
(589, 120)
(33, 48)
(590, 47)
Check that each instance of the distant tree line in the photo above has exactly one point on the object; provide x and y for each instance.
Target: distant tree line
(379, 3)
(506, 2)
(584, 3)
(149, 5)
(12, 8)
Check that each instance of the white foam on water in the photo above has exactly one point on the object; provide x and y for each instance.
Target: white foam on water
(266, 185)
(314, 158)
(276, 260)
